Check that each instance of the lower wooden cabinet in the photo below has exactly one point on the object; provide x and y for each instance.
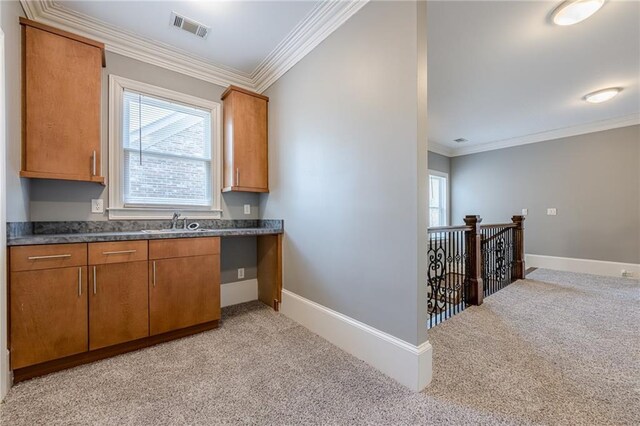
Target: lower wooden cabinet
(118, 303)
(73, 303)
(48, 314)
(183, 291)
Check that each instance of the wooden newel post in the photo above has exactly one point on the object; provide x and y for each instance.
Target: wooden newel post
(473, 240)
(518, 270)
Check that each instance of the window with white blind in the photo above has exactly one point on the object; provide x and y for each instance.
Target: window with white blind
(438, 199)
(164, 152)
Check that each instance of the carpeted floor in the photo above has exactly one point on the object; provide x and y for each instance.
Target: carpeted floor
(557, 348)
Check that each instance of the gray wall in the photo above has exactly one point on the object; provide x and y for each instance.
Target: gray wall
(50, 200)
(238, 252)
(17, 188)
(439, 162)
(53, 200)
(343, 146)
(593, 180)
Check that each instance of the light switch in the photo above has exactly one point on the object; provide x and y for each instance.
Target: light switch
(247, 209)
(551, 212)
(525, 212)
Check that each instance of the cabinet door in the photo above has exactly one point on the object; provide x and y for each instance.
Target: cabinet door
(118, 303)
(48, 315)
(250, 143)
(183, 291)
(62, 84)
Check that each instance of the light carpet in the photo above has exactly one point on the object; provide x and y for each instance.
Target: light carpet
(558, 348)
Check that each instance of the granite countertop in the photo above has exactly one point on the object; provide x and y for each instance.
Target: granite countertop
(79, 232)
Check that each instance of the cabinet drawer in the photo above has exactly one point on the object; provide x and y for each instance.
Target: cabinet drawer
(117, 252)
(31, 258)
(183, 247)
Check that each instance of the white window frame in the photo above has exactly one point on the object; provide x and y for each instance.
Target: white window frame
(447, 193)
(117, 208)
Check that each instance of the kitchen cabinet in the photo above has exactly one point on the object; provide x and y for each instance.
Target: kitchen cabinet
(48, 303)
(245, 116)
(184, 283)
(61, 104)
(118, 295)
(74, 303)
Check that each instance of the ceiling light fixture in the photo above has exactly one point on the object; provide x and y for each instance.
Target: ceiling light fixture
(573, 11)
(602, 95)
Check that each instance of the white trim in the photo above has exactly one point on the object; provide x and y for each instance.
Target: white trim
(116, 209)
(565, 132)
(128, 44)
(325, 18)
(447, 195)
(238, 292)
(440, 149)
(410, 365)
(5, 374)
(586, 266)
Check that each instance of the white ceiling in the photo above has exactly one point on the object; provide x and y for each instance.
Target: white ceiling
(500, 74)
(242, 34)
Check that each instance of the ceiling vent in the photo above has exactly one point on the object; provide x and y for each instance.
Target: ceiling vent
(189, 25)
(461, 140)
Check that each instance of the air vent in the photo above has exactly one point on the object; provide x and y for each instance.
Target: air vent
(189, 25)
(460, 140)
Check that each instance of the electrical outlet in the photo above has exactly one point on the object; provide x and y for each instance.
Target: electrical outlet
(525, 212)
(240, 272)
(552, 212)
(247, 209)
(97, 206)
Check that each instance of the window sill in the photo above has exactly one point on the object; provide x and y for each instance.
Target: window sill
(150, 213)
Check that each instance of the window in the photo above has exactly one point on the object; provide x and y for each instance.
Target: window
(164, 152)
(438, 199)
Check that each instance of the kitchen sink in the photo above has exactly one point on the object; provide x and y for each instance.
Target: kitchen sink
(173, 231)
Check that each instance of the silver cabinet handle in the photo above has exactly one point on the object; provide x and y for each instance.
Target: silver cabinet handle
(93, 163)
(80, 281)
(53, 256)
(118, 252)
(238, 177)
(94, 280)
(154, 273)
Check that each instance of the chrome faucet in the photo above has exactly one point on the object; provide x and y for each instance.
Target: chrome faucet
(174, 220)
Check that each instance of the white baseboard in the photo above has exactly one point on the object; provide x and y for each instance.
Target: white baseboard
(406, 363)
(238, 292)
(587, 266)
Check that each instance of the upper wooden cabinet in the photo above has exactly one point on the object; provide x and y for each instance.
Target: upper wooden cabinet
(61, 104)
(245, 141)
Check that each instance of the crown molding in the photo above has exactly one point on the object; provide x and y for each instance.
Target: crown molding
(323, 19)
(131, 45)
(565, 132)
(440, 149)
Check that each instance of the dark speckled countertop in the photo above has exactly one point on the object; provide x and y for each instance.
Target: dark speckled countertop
(36, 233)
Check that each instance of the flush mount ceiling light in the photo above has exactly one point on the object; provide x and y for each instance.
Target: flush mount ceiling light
(573, 11)
(602, 95)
